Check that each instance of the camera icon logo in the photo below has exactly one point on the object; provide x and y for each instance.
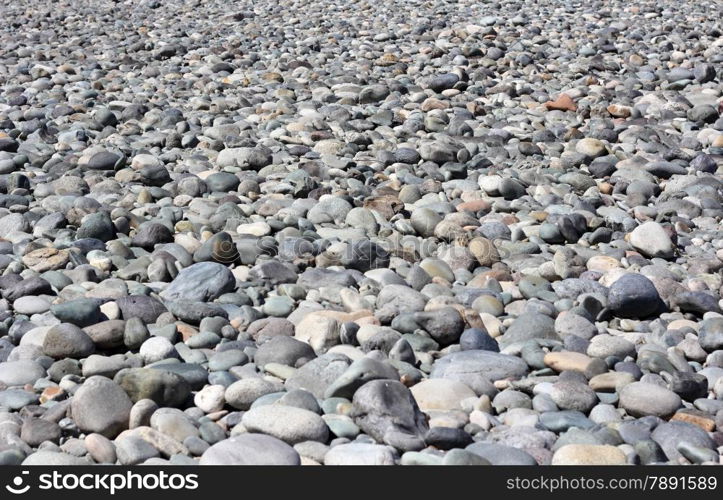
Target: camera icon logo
(17, 488)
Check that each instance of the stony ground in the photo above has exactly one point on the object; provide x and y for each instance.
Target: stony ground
(394, 232)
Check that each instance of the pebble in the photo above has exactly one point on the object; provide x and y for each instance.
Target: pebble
(134, 450)
(671, 435)
(640, 399)
(250, 449)
(588, 454)
(497, 454)
(210, 399)
(573, 396)
(651, 239)
(67, 341)
(388, 412)
(243, 393)
(291, 425)
(53, 459)
(163, 387)
(20, 372)
(633, 296)
(360, 454)
(101, 406)
(494, 366)
(101, 449)
(441, 394)
(36, 431)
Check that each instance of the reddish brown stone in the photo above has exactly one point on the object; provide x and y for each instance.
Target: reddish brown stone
(51, 394)
(563, 103)
(186, 330)
(474, 206)
(695, 417)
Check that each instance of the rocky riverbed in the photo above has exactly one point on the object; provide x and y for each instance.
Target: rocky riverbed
(323, 232)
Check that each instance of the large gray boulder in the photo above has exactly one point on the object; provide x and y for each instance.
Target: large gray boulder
(388, 412)
(200, 282)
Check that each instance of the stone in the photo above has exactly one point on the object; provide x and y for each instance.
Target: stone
(141, 413)
(133, 450)
(291, 425)
(710, 335)
(250, 449)
(633, 296)
(670, 435)
(562, 103)
(640, 399)
(395, 299)
(474, 339)
(387, 411)
(103, 365)
(80, 312)
(200, 282)
(443, 82)
(511, 219)
(591, 148)
(484, 251)
(360, 454)
(21, 372)
(242, 393)
(31, 305)
(67, 341)
(320, 332)
(491, 365)
(284, 350)
(318, 375)
(331, 209)
(701, 419)
(98, 226)
(156, 349)
(166, 445)
(101, 406)
(163, 387)
(463, 457)
(53, 459)
(210, 399)
(424, 220)
(359, 373)
(529, 326)
(567, 360)
(36, 431)
(100, 448)
(441, 394)
(151, 234)
(588, 454)
(497, 454)
(107, 334)
(444, 325)
(146, 308)
(46, 259)
(573, 396)
(651, 239)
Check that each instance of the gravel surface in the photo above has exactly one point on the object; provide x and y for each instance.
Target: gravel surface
(400, 232)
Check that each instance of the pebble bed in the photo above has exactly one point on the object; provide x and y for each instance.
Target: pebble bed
(328, 232)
